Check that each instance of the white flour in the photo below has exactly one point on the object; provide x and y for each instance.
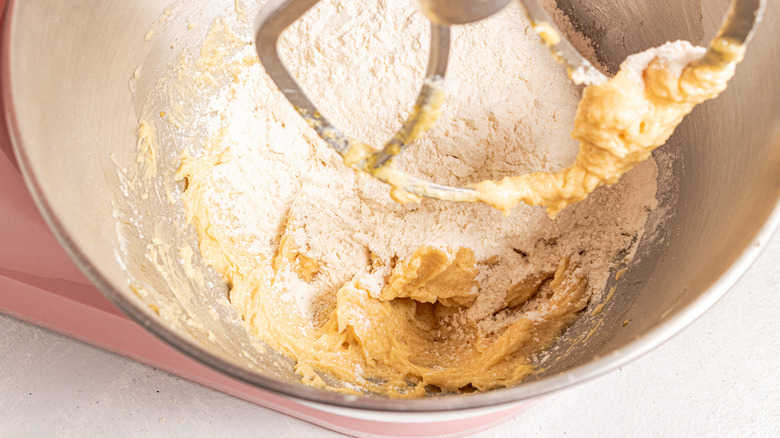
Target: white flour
(510, 110)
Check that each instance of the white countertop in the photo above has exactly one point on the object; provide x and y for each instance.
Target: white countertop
(719, 377)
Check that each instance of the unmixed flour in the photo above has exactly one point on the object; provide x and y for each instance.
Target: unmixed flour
(510, 109)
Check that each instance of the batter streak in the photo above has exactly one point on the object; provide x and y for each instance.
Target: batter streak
(619, 124)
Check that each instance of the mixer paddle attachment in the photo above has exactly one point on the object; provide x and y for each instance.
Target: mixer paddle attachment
(277, 15)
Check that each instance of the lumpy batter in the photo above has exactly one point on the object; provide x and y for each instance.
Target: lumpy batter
(369, 295)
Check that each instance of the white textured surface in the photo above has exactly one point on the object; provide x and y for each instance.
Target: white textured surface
(719, 377)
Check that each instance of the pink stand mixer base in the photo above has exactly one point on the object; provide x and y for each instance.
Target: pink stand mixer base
(40, 284)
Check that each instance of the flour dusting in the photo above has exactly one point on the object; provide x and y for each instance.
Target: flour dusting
(272, 190)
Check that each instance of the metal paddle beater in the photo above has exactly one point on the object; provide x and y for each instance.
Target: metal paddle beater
(277, 15)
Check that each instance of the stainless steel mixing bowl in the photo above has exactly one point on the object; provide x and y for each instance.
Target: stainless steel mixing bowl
(69, 67)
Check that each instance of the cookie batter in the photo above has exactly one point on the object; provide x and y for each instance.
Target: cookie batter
(371, 296)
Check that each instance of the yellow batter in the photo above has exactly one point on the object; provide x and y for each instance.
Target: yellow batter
(414, 337)
(619, 124)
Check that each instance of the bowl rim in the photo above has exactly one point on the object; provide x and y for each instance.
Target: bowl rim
(494, 398)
